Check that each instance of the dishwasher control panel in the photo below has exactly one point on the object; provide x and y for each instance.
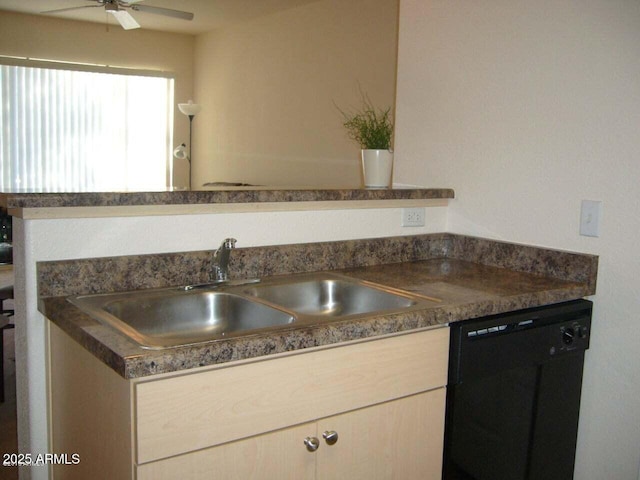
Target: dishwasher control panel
(570, 336)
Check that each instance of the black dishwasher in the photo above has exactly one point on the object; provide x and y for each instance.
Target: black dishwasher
(514, 394)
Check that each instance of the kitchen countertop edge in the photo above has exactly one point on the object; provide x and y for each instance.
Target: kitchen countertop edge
(18, 200)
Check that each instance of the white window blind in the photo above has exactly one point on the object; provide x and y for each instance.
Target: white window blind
(80, 131)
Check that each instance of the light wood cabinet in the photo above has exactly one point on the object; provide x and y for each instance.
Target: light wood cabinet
(400, 439)
(384, 398)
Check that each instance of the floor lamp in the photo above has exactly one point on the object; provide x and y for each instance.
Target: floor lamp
(190, 109)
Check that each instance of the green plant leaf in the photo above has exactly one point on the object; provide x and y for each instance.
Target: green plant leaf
(372, 128)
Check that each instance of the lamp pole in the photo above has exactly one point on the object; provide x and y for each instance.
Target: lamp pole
(190, 145)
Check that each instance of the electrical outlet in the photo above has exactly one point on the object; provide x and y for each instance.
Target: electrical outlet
(413, 217)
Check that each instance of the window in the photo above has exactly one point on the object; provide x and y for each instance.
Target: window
(74, 131)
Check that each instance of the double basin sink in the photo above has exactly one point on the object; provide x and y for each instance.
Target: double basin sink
(169, 317)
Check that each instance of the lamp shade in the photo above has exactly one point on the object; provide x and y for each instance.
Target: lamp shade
(181, 152)
(190, 108)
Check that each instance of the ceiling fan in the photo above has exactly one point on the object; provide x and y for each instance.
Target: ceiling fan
(118, 8)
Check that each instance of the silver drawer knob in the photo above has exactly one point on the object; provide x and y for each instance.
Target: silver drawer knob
(312, 443)
(330, 436)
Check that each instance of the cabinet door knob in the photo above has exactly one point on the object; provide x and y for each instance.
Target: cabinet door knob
(330, 436)
(312, 443)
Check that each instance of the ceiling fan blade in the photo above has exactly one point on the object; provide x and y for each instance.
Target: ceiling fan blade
(70, 8)
(162, 11)
(124, 19)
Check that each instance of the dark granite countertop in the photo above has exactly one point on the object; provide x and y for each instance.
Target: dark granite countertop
(21, 200)
(471, 277)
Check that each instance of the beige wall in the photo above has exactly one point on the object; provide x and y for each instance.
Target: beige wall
(527, 108)
(268, 89)
(83, 42)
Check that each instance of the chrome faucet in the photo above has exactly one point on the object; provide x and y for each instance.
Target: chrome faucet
(221, 260)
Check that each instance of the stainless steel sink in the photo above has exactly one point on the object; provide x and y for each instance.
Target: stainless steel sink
(162, 318)
(170, 317)
(330, 297)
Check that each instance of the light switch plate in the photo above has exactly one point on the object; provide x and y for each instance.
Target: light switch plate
(590, 216)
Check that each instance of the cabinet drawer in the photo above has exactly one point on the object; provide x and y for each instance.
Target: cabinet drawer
(190, 412)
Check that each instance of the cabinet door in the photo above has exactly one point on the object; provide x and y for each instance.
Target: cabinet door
(401, 439)
(277, 455)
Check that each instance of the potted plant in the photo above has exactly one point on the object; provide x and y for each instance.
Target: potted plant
(373, 129)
